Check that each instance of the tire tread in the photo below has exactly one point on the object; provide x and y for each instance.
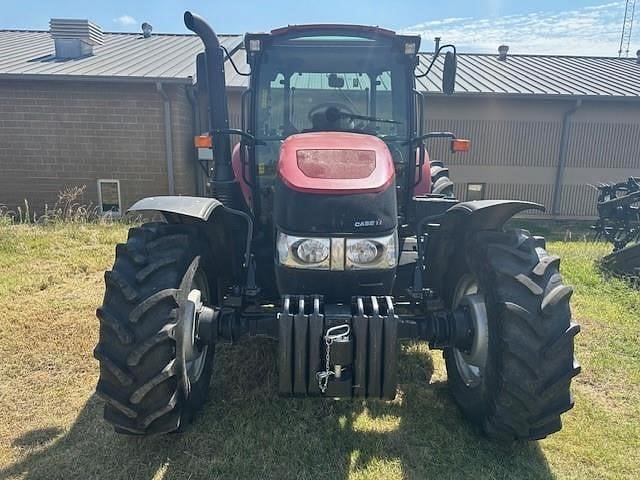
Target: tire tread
(137, 327)
(535, 359)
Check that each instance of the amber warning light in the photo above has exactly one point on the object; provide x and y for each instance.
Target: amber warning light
(202, 141)
(460, 145)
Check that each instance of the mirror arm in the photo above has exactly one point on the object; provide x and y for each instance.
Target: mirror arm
(422, 138)
(245, 136)
(244, 74)
(435, 57)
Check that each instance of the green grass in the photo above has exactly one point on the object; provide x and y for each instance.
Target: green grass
(51, 425)
(555, 230)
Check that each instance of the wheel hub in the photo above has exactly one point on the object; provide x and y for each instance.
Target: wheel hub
(471, 363)
(190, 353)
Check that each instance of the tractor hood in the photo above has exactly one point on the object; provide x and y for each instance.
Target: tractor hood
(335, 183)
(335, 163)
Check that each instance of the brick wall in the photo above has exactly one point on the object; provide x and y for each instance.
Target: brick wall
(57, 134)
(183, 149)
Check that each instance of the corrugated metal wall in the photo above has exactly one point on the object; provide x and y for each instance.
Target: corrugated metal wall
(516, 147)
(526, 145)
(596, 144)
(500, 142)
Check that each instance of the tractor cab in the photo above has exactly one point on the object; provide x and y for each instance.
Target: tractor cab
(325, 78)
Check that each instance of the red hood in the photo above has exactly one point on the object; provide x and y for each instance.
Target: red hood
(335, 163)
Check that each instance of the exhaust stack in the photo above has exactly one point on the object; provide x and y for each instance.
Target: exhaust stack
(223, 177)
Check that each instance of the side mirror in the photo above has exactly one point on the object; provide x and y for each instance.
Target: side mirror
(449, 73)
(335, 81)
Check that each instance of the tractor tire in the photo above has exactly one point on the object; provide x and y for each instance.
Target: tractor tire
(514, 382)
(140, 373)
(440, 182)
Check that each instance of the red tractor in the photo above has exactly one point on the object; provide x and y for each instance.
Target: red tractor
(328, 229)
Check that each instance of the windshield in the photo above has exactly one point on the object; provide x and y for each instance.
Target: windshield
(297, 93)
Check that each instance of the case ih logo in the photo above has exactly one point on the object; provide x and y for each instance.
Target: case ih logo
(367, 223)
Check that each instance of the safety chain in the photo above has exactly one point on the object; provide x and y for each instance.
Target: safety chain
(334, 333)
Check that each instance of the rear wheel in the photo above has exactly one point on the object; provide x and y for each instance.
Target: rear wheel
(440, 182)
(514, 381)
(154, 373)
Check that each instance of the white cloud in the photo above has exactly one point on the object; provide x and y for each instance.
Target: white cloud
(591, 30)
(125, 20)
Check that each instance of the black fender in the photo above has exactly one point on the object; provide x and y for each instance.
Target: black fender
(484, 214)
(194, 207)
(223, 226)
(461, 222)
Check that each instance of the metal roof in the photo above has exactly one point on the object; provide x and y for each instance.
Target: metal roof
(124, 56)
(519, 75)
(169, 57)
(538, 75)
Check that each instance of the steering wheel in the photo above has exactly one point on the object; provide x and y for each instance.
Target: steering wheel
(341, 107)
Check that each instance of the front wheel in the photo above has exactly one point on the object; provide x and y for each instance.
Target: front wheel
(154, 373)
(514, 380)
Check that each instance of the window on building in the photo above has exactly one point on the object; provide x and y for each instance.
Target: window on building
(109, 197)
(475, 191)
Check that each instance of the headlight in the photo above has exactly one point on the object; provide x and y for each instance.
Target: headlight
(362, 252)
(300, 252)
(337, 254)
(312, 250)
(371, 253)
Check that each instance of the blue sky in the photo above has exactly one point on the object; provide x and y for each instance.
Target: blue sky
(589, 27)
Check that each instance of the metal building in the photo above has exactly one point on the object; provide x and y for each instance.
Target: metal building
(117, 118)
(542, 127)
